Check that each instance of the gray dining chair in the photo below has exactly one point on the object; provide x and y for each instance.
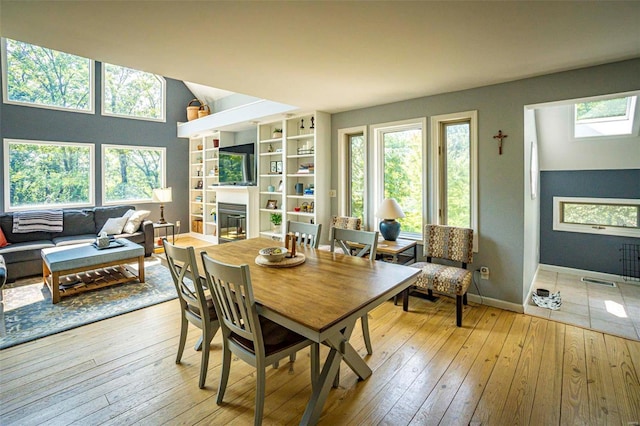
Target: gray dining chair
(253, 338)
(340, 238)
(196, 308)
(307, 234)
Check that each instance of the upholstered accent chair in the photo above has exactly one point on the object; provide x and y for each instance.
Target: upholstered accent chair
(195, 305)
(307, 234)
(346, 222)
(452, 244)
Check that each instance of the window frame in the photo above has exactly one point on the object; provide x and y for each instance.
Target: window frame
(7, 187)
(163, 177)
(344, 159)
(436, 174)
(560, 225)
(377, 136)
(5, 88)
(163, 81)
(633, 117)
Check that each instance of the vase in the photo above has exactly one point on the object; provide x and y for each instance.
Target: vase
(277, 229)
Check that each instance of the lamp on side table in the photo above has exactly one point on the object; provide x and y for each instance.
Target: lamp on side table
(389, 211)
(162, 195)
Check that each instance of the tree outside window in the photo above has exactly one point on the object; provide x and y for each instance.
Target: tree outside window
(130, 173)
(132, 93)
(46, 174)
(37, 76)
(357, 175)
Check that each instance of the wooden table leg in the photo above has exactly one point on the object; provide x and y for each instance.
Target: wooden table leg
(141, 268)
(55, 287)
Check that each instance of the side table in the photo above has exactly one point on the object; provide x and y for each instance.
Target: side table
(166, 227)
(404, 252)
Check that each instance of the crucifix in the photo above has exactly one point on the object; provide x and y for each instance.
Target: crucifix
(500, 137)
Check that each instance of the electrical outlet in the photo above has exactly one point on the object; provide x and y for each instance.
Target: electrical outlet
(484, 272)
(332, 193)
(178, 223)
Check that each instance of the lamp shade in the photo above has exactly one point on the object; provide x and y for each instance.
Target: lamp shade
(389, 209)
(162, 195)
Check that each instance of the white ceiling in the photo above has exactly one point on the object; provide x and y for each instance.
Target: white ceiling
(334, 56)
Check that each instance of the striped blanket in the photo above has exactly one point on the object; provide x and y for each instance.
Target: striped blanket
(40, 220)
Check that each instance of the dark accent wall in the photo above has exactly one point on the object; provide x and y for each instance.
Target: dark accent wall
(599, 253)
(23, 122)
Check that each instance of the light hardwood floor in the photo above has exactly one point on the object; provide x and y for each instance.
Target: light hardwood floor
(501, 368)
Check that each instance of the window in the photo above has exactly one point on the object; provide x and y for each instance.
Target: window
(605, 117)
(605, 216)
(130, 173)
(133, 94)
(46, 78)
(48, 174)
(353, 175)
(455, 168)
(399, 171)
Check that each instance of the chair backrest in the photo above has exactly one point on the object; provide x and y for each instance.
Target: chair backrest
(183, 268)
(346, 222)
(307, 234)
(230, 286)
(342, 238)
(449, 242)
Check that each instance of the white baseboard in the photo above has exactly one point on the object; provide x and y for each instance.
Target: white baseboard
(496, 303)
(582, 272)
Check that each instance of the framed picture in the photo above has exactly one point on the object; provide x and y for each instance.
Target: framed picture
(280, 187)
(272, 204)
(273, 167)
(278, 166)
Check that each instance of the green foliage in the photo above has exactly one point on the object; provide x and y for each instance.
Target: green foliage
(458, 175)
(358, 183)
(230, 168)
(48, 174)
(47, 77)
(131, 173)
(276, 218)
(600, 214)
(601, 109)
(132, 93)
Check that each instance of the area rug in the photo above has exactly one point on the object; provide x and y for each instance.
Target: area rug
(29, 313)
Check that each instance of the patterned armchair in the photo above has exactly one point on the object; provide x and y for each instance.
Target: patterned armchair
(453, 244)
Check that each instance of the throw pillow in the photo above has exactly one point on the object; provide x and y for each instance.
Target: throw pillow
(113, 226)
(3, 239)
(134, 221)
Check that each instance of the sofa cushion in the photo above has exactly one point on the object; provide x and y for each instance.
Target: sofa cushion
(134, 220)
(76, 222)
(102, 214)
(74, 239)
(6, 223)
(24, 251)
(113, 225)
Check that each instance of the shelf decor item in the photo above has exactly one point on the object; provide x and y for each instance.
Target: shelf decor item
(277, 133)
(162, 195)
(389, 211)
(276, 220)
(192, 110)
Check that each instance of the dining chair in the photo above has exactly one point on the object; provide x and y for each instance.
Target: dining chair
(196, 308)
(307, 234)
(451, 244)
(251, 337)
(340, 238)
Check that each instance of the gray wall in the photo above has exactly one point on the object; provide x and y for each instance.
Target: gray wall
(22, 122)
(501, 177)
(599, 253)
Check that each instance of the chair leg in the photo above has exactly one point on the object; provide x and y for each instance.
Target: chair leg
(464, 299)
(204, 363)
(365, 333)
(459, 310)
(260, 389)
(198, 346)
(292, 357)
(184, 325)
(224, 376)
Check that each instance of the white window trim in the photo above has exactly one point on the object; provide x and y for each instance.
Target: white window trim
(377, 131)
(162, 119)
(163, 178)
(558, 225)
(343, 159)
(5, 94)
(435, 174)
(7, 186)
(635, 117)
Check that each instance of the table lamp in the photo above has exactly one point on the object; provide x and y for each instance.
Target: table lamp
(162, 195)
(389, 211)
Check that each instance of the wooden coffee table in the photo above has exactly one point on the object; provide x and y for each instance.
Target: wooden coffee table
(79, 268)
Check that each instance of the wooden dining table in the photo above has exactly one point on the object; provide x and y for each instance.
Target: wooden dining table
(320, 299)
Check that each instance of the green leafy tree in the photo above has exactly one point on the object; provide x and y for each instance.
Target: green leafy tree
(358, 184)
(131, 173)
(132, 93)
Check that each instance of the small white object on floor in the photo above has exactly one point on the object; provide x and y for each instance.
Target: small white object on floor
(553, 301)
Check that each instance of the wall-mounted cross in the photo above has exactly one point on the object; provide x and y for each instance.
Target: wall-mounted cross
(500, 137)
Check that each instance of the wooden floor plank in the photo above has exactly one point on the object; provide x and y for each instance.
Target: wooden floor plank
(625, 378)
(574, 405)
(603, 407)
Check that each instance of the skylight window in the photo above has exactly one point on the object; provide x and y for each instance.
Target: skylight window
(605, 117)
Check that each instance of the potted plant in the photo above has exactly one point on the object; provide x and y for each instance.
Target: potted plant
(276, 220)
(277, 133)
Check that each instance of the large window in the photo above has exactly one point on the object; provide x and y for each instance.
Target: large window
(133, 94)
(353, 172)
(606, 216)
(606, 117)
(36, 76)
(48, 174)
(454, 154)
(399, 171)
(130, 173)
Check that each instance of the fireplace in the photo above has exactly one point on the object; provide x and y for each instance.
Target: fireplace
(232, 222)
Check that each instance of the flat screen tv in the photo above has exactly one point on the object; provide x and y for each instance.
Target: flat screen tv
(237, 165)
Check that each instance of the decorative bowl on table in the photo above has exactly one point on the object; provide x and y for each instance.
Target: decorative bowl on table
(273, 254)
